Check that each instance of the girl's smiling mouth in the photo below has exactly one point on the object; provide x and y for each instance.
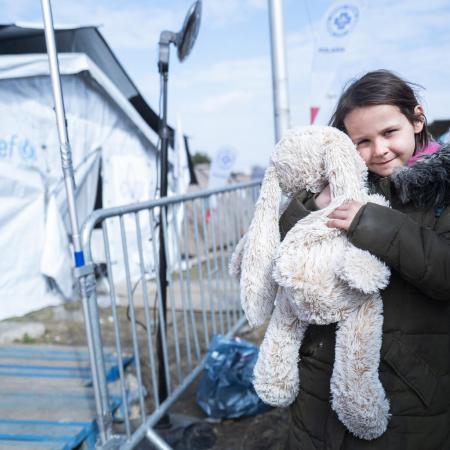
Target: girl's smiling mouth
(384, 162)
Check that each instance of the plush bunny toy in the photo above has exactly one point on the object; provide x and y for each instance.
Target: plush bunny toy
(317, 277)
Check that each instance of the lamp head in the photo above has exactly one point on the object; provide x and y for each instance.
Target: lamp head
(184, 40)
(186, 37)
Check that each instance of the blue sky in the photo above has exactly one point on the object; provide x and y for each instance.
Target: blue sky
(223, 91)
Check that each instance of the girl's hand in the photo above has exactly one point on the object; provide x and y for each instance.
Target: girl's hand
(324, 198)
(343, 216)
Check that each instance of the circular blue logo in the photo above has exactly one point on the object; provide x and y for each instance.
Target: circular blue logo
(342, 20)
(226, 158)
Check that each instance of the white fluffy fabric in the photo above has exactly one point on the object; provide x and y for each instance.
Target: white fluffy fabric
(276, 378)
(258, 288)
(357, 394)
(320, 279)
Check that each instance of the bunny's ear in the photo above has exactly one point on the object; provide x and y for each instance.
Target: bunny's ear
(345, 170)
(234, 267)
(258, 289)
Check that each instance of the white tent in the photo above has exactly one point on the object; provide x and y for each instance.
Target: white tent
(104, 129)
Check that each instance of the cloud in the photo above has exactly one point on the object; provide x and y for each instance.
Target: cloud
(233, 99)
(223, 12)
(126, 25)
(251, 72)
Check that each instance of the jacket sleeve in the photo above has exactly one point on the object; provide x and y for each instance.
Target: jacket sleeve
(299, 207)
(418, 253)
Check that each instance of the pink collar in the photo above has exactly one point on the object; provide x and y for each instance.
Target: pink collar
(432, 147)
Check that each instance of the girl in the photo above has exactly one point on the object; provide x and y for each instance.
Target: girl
(382, 116)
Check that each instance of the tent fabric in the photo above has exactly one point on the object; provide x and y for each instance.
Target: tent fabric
(26, 65)
(22, 219)
(29, 38)
(104, 129)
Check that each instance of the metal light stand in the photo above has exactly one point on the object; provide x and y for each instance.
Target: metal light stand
(184, 41)
(83, 272)
(163, 67)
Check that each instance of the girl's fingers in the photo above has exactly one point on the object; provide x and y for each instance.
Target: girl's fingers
(338, 214)
(337, 223)
(349, 205)
(343, 207)
(342, 217)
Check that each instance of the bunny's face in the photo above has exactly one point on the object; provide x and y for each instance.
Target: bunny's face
(309, 158)
(298, 160)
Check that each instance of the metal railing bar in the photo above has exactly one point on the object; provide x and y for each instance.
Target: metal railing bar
(200, 273)
(224, 267)
(176, 340)
(116, 321)
(156, 440)
(208, 266)
(160, 311)
(188, 286)
(235, 239)
(213, 220)
(181, 279)
(133, 322)
(240, 225)
(229, 240)
(148, 321)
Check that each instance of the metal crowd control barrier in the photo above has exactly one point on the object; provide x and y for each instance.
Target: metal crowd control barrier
(202, 229)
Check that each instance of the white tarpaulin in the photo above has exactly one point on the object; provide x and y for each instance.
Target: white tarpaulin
(104, 129)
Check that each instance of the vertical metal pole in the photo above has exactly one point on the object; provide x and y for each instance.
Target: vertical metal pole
(66, 153)
(279, 71)
(164, 132)
(87, 280)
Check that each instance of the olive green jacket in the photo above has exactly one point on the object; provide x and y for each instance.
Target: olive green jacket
(414, 366)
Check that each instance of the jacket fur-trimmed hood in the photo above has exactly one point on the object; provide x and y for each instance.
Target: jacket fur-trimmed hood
(427, 182)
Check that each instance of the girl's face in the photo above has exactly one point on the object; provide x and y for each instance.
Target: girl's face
(383, 135)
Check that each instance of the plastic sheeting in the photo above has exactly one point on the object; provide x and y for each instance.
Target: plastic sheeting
(226, 389)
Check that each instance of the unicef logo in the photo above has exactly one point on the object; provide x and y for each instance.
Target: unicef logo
(342, 20)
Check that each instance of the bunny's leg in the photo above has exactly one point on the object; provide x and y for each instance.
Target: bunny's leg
(362, 271)
(276, 379)
(357, 394)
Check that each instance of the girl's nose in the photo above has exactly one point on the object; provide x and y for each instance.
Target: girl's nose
(380, 147)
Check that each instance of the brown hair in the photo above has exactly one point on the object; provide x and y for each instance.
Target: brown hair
(381, 87)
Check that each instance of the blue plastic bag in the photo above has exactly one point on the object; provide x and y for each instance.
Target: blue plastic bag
(226, 389)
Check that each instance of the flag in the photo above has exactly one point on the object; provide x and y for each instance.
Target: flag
(221, 166)
(338, 27)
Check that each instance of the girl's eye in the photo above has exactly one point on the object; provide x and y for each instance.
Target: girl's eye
(362, 143)
(390, 132)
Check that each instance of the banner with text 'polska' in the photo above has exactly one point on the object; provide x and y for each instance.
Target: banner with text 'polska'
(338, 28)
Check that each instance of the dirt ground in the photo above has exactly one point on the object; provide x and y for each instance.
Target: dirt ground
(191, 429)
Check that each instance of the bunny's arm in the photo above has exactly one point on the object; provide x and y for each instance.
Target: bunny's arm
(361, 270)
